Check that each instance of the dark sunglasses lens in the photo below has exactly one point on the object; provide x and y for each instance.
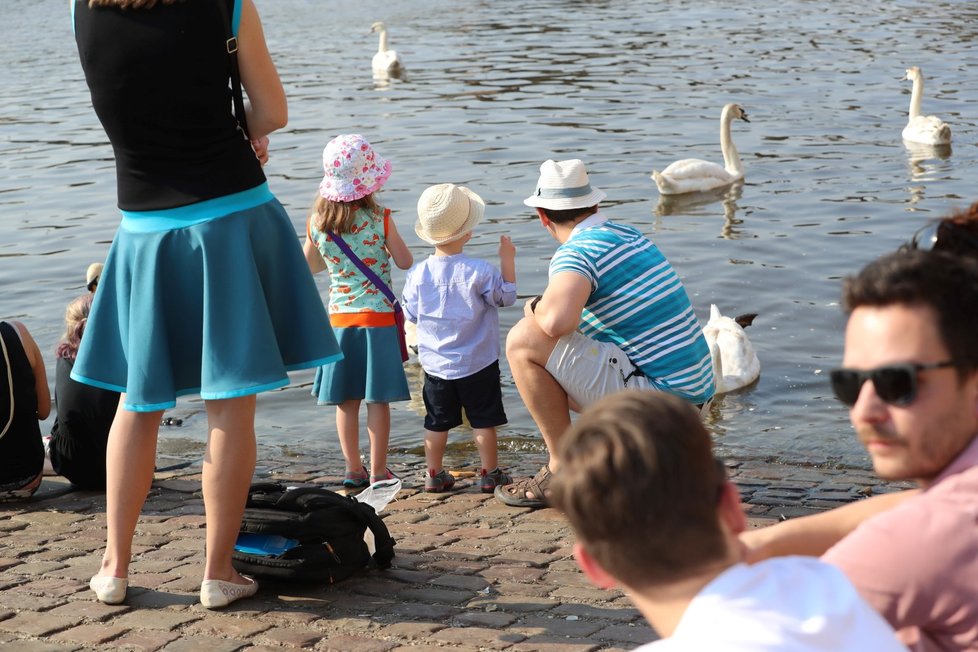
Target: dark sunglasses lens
(845, 385)
(896, 385)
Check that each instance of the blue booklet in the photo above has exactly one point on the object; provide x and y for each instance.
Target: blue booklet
(264, 545)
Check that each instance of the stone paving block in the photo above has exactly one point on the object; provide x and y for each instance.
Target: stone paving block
(537, 559)
(28, 645)
(519, 573)
(89, 610)
(227, 626)
(292, 636)
(457, 566)
(408, 576)
(39, 568)
(522, 589)
(211, 644)
(32, 623)
(545, 643)
(144, 640)
(302, 614)
(557, 627)
(479, 637)
(475, 533)
(437, 596)
(411, 631)
(16, 598)
(619, 614)
(633, 634)
(354, 644)
(465, 582)
(141, 598)
(464, 552)
(437, 648)
(492, 619)
(583, 594)
(90, 634)
(419, 611)
(565, 578)
(161, 619)
(59, 522)
(515, 604)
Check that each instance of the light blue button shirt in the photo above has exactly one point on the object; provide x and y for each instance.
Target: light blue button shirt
(454, 300)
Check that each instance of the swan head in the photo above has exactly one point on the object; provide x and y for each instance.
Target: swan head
(913, 74)
(733, 111)
(378, 27)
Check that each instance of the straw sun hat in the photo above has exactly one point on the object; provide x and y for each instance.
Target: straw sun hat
(564, 185)
(447, 212)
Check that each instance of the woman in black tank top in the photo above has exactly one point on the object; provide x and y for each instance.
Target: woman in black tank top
(24, 399)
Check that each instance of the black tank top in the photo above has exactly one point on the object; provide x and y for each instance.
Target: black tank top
(21, 450)
(159, 84)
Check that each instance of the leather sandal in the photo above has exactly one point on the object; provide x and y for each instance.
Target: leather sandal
(515, 494)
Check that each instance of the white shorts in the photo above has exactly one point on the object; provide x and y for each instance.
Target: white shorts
(588, 369)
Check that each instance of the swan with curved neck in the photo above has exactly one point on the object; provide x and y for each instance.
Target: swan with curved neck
(695, 175)
(385, 60)
(735, 364)
(924, 129)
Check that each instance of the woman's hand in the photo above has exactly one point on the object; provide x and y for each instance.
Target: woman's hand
(260, 145)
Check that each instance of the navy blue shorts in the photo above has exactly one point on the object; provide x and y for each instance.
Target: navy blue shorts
(479, 394)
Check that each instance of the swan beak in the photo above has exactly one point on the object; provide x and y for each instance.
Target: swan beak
(743, 117)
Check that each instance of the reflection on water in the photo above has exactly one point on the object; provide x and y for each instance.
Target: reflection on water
(493, 90)
(697, 203)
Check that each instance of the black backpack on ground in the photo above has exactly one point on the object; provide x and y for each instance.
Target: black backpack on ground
(326, 530)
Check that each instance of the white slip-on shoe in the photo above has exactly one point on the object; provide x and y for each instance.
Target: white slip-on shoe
(109, 590)
(215, 594)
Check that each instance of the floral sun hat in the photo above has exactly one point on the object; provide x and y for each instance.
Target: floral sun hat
(353, 169)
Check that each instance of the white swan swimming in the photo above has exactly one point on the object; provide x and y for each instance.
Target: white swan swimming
(925, 129)
(695, 175)
(385, 60)
(735, 363)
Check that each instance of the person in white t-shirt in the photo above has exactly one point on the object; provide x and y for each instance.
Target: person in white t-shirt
(655, 515)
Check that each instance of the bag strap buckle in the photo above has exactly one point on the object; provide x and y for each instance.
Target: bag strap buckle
(232, 45)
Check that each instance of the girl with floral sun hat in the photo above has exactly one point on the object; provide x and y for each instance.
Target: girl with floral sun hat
(351, 234)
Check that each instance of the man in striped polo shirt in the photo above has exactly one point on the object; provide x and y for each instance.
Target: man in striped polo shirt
(614, 315)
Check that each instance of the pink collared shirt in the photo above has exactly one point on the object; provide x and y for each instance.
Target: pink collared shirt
(917, 563)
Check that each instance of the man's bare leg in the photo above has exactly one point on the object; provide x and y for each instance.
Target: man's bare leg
(527, 349)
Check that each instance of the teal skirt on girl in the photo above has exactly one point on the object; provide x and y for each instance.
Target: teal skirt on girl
(214, 299)
(371, 369)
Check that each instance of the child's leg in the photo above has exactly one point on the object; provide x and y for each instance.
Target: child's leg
(485, 441)
(434, 449)
(379, 430)
(348, 428)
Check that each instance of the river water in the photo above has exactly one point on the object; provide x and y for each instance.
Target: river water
(492, 89)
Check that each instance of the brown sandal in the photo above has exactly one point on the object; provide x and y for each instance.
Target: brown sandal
(515, 494)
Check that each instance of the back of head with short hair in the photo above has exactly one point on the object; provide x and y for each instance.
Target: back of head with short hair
(563, 216)
(943, 282)
(639, 484)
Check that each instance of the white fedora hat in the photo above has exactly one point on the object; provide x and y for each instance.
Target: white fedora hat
(564, 185)
(447, 212)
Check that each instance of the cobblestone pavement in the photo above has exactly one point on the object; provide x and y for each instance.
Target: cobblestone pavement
(470, 573)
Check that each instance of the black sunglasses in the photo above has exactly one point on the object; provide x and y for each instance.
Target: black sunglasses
(934, 231)
(895, 384)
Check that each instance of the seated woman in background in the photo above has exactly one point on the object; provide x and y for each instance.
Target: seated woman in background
(24, 400)
(84, 412)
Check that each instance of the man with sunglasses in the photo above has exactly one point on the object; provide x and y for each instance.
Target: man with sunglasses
(910, 380)
(655, 514)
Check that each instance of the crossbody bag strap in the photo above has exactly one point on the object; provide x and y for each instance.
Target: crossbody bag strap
(369, 273)
(231, 45)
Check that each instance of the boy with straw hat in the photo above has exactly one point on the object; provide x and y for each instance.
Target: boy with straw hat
(454, 301)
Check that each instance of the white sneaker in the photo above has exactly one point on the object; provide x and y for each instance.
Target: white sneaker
(109, 590)
(215, 594)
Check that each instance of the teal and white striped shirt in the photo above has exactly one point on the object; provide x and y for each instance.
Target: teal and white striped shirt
(638, 302)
